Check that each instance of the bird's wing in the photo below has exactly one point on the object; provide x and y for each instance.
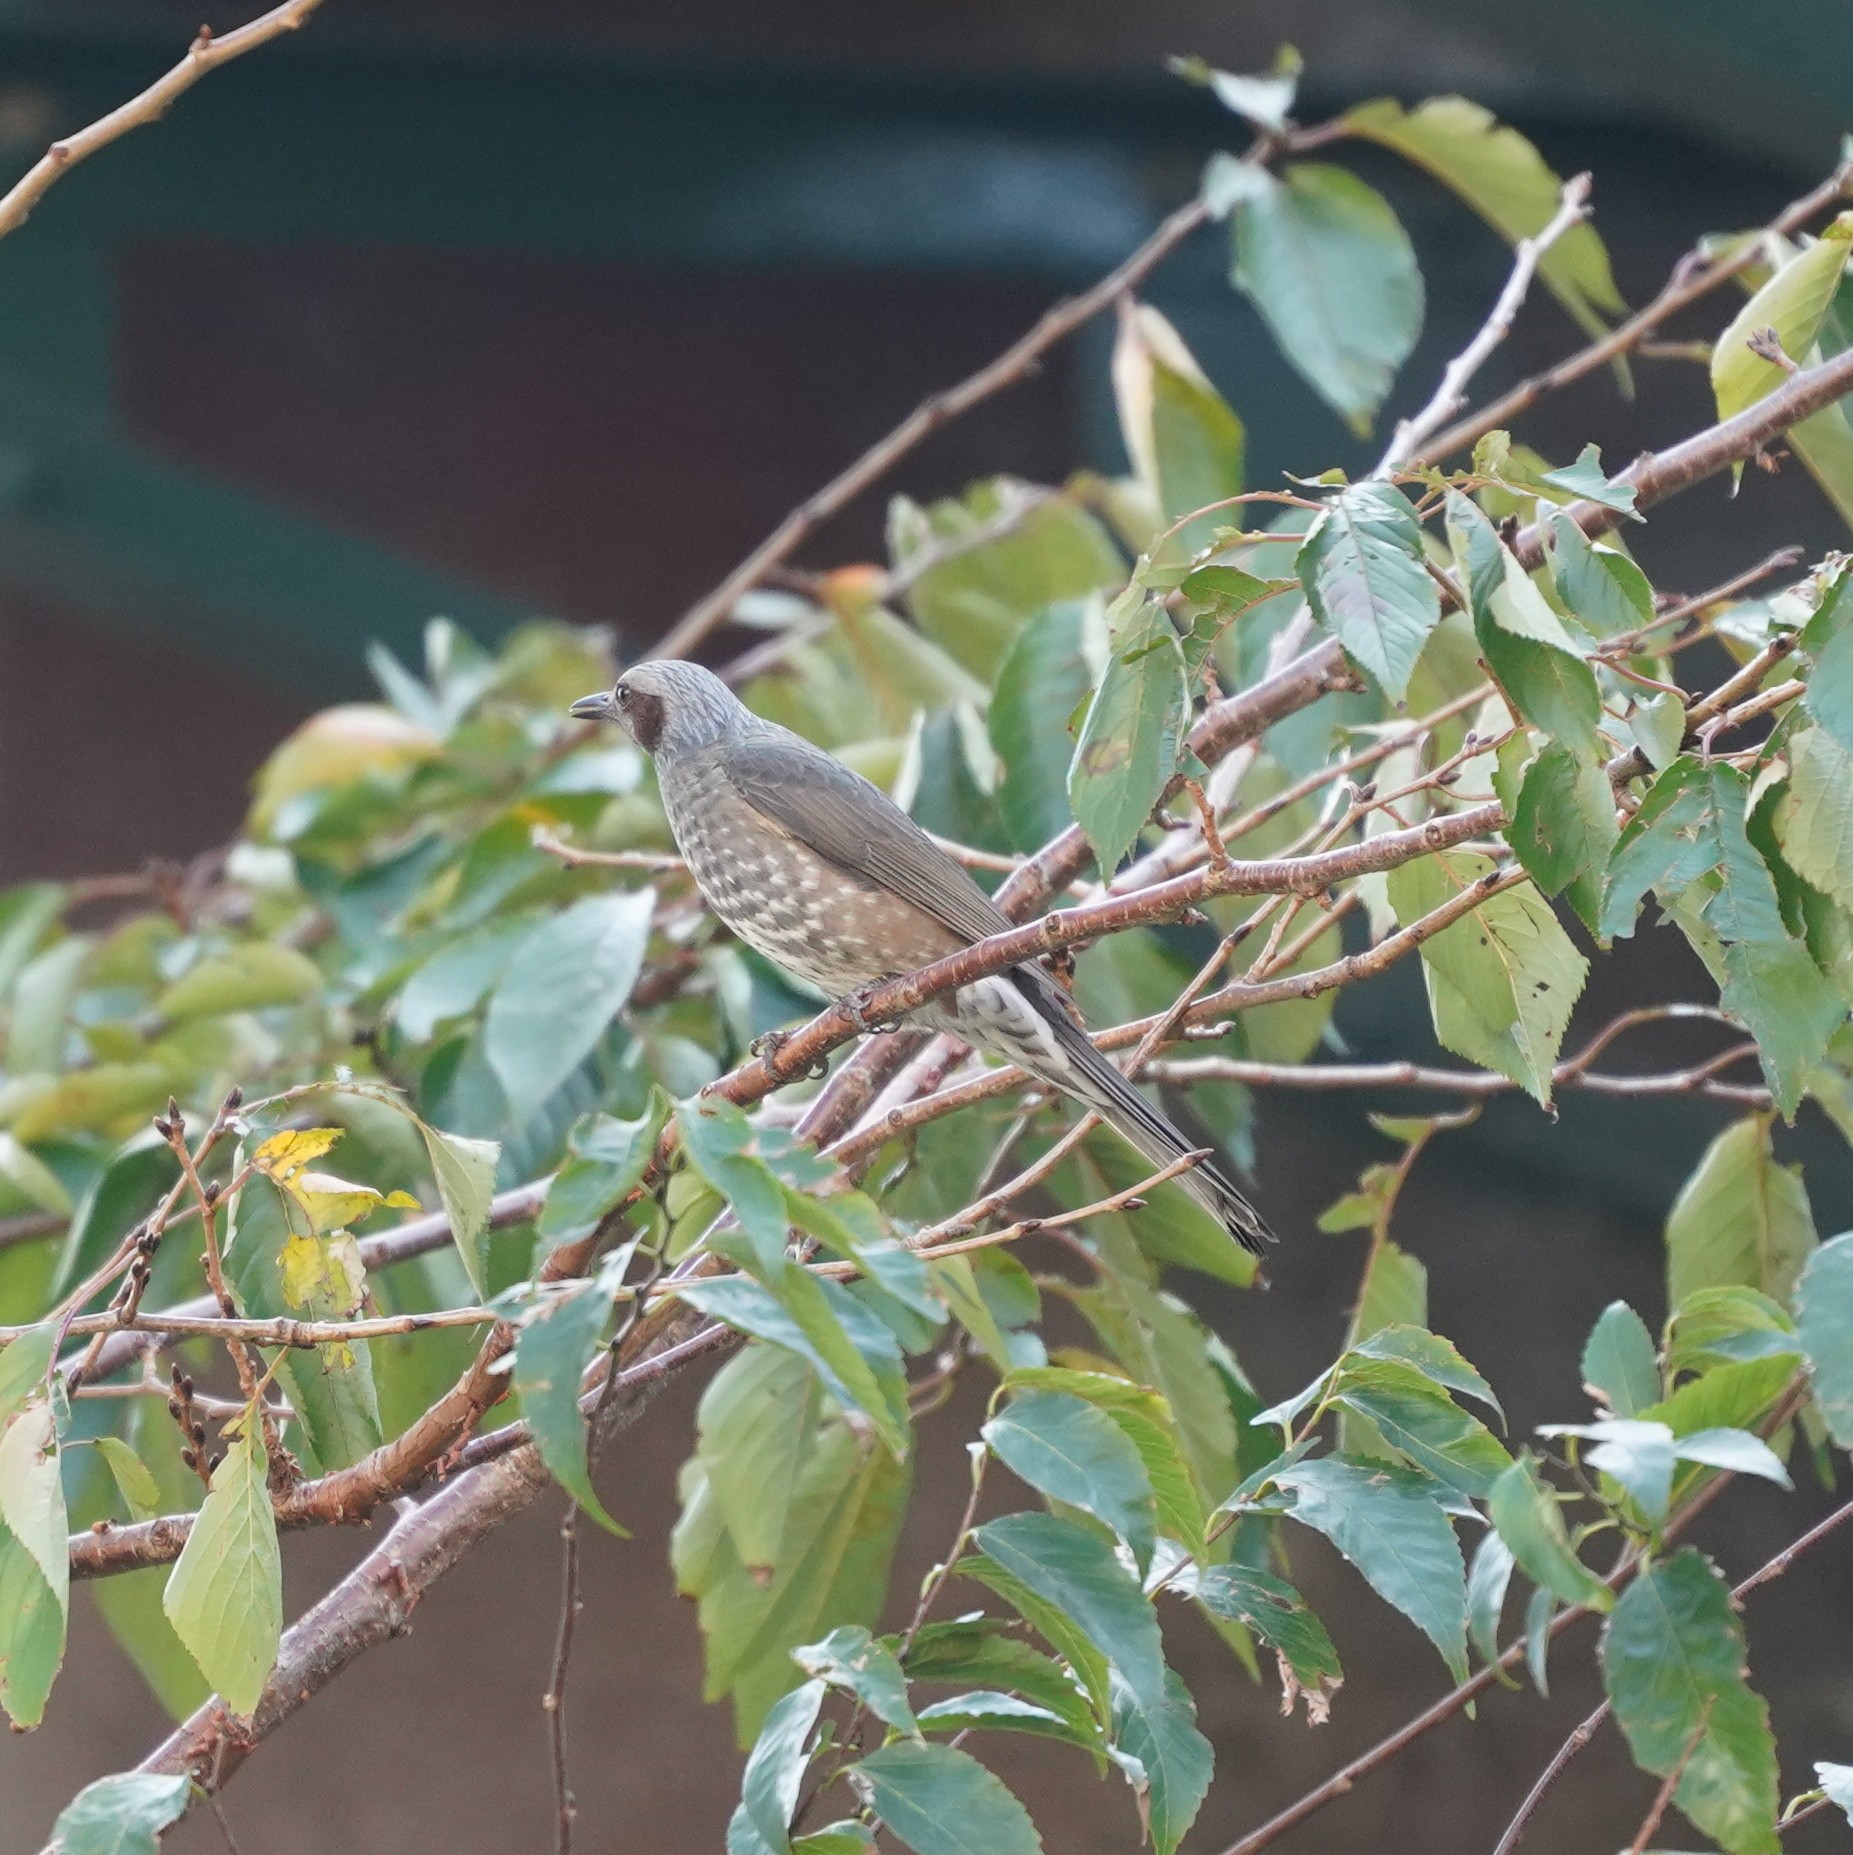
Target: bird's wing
(859, 830)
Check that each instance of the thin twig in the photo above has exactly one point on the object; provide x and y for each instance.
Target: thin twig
(1692, 278)
(206, 53)
(1451, 394)
(553, 1702)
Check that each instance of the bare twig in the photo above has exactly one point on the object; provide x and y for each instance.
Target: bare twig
(1693, 278)
(553, 1702)
(1015, 364)
(1413, 433)
(206, 53)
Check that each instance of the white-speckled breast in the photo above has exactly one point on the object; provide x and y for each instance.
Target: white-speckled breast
(784, 900)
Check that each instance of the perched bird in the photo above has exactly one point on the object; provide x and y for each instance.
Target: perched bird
(826, 876)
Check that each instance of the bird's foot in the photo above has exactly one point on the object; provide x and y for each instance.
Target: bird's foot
(854, 1006)
(767, 1046)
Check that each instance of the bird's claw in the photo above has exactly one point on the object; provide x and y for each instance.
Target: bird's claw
(854, 1006)
(767, 1045)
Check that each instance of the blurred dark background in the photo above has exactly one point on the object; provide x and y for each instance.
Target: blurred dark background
(496, 309)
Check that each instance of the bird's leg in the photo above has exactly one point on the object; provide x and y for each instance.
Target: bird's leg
(854, 1005)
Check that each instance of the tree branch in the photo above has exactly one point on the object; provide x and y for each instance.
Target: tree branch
(205, 54)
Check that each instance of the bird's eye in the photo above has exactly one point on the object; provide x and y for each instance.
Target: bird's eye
(623, 694)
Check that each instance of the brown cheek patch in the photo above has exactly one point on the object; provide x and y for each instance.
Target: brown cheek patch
(645, 716)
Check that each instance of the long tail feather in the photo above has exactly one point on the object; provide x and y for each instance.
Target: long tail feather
(1094, 1080)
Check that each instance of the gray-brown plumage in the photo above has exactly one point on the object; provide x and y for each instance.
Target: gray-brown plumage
(826, 876)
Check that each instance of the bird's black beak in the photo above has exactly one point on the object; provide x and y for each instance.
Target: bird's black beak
(596, 707)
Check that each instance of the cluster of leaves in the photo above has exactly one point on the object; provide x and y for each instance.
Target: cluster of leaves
(396, 956)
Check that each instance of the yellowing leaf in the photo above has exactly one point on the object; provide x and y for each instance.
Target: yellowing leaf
(286, 1154)
(320, 1271)
(334, 747)
(328, 1202)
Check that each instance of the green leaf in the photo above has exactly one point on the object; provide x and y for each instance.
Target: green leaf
(1824, 1326)
(1604, 589)
(120, 1196)
(1332, 271)
(1363, 573)
(609, 1159)
(564, 984)
(1814, 816)
(1282, 1618)
(1619, 1363)
(39, 1028)
(32, 1630)
(1145, 1418)
(1044, 679)
(465, 1174)
(1828, 696)
(1171, 1227)
(1721, 1326)
(981, 1650)
(224, 1597)
(1691, 823)
(1503, 980)
(1673, 1664)
(774, 1772)
(1563, 829)
(842, 1508)
(1431, 1355)
(1421, 1422)
(1728, 1397)
(458, 977)
(553, 1347)
(851, 1659)
(854, 1354)
(1788, 1005)
(1387, 1522)
(32, 1495)
(1132, 734)
(123, 1814)
(1587, 479)
(1175, 1757)
(23, 1365)
(721, 1144)
(1550, 687)
(132, 1477)
(1162, 1344)
(1740, 1218)
(1658, 728)
(1394, 1292)
(847, 1837)
(246, 977)
(1497, 172)
(1072, 1452)
(755, 1425)
(1184, 442)
(985, 1709)
(1794, 303)
(1489, 1577)
(943, 1802)
(1076, 1571)
(972, 603)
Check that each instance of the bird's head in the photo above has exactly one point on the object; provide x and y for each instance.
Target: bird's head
(666, 707)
